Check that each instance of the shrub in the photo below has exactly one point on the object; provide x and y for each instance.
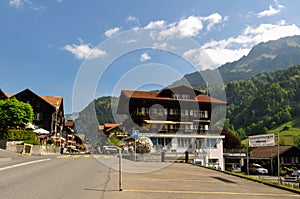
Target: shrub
(33, 142)
(18, 135)
(50, 141)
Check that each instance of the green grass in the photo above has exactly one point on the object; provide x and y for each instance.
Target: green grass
(287, 137)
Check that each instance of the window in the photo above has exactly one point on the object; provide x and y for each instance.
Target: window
(165, 141)
(206, 127)
(147, 110)
(200, 143)
(183, 142)
(191, 112)
(154, 110)
(211, 143)
(205, 114)
(160, 111)
(166, 111)
(175, 111)
(196, 113)
(176, 95)
(186, 127)
(38, 116)
(183, 96)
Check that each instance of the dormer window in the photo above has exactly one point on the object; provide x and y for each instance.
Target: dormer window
(183, 96)
(176, 95)
(180, 96)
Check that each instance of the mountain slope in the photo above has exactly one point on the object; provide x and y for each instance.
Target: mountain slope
(264, 57)
(263, 102)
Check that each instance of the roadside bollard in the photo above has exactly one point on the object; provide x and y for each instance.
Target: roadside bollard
(162, 157)
(186, 157)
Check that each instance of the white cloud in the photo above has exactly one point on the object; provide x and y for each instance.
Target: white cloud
(190, 26)
(26, 4)
(213, 19)
(132, 19)
(156, 24)
(16, 3)
(84, 51)
(144, 57)
(233, 48)
(220, 56)
(199, 58)
(271, 11)
(186, 27)
(112, 31)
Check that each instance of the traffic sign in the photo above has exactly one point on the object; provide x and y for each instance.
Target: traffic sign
(135, 134)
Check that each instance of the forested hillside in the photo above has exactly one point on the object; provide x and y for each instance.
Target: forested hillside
(96, 113)
(263, 102)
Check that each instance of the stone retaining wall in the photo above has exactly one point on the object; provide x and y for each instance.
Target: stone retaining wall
(36, 150)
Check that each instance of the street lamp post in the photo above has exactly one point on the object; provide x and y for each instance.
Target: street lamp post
(278, 158)
(55, 128)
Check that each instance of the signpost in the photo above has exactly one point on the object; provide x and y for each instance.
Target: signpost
(135, 135)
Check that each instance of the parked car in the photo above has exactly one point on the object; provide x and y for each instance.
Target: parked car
(110, 149)
(257, 169)
(292, 176)
(235, 167)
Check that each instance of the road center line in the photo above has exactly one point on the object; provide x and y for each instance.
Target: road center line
(23, 164)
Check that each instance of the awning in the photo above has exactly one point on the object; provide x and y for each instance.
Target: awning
(29, 126)
(165, 122)
(41, 131)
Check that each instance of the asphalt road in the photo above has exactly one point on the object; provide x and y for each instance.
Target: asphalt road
(97, 177)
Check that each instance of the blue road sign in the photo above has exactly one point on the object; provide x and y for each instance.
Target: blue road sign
(135, 134)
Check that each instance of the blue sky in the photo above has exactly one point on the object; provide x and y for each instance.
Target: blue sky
(45, 44)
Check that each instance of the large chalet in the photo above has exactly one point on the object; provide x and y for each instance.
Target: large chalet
(176, 119)
(48, 110)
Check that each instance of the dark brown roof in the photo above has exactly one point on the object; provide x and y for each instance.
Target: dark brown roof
(154, 95)
(106, 126)
(269, 151)
(69, 123)
(52, 100)
(101, 127)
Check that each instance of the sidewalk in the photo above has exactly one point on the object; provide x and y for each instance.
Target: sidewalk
(8, 155)
(150, 180)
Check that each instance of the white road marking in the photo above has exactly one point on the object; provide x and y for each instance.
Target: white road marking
(25, 163)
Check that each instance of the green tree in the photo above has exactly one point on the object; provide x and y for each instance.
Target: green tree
(297, 140)
(14, 113)
(231, 141)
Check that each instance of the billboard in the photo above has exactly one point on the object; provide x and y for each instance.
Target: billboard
(261, 140)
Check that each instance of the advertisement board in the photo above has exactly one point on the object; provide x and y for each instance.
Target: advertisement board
(261, 140)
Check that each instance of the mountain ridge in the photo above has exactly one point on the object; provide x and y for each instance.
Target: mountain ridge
(263, 57)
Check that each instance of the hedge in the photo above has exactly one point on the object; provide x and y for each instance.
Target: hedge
(18, 135)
